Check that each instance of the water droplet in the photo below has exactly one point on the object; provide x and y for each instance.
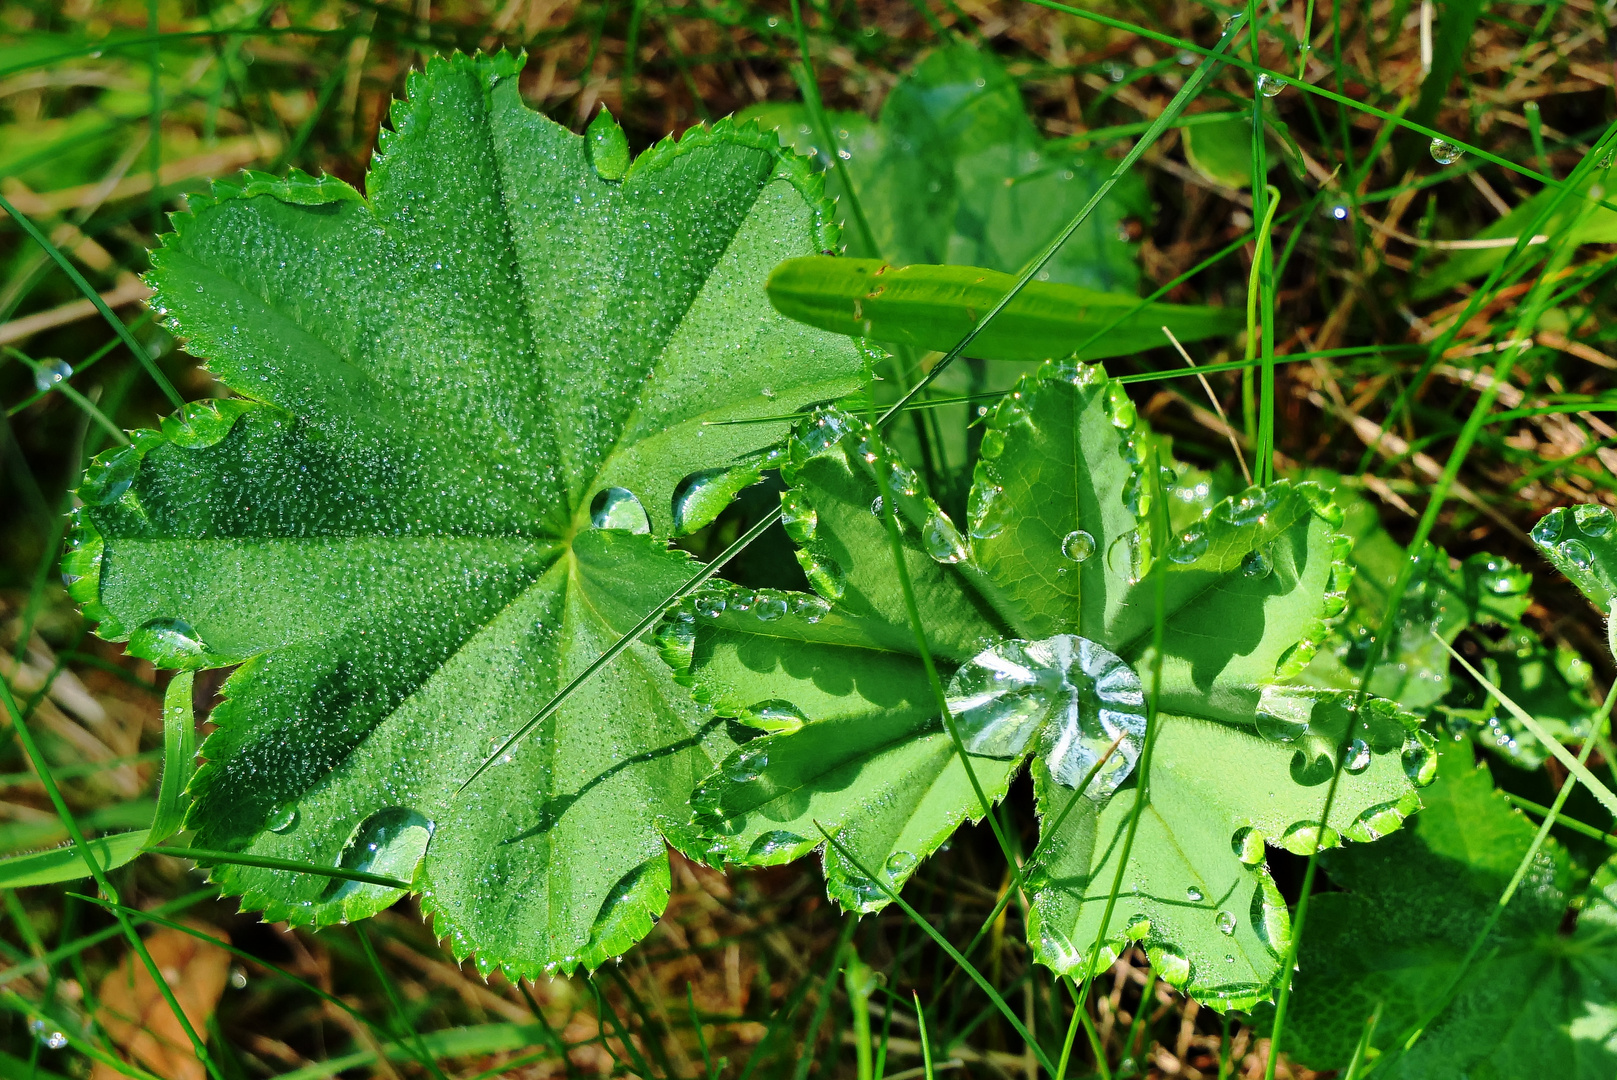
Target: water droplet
(797, 516)
(822, 573)
(943, 541)
(1270, 85)
(1548, 531)
(899, 865)
(1225, 922)
(1078, 545)
(700, 497)
(770, 608)
(990, 511)
(390, 843)
(169, 643)
(1420, 763)
(282, 818)
(1576, 553)
(1170, 963)
(1194, 895)
(777, 845)
(1138, 927)
(1250, 507)
(48, 1036)
(875, 506)
(1233, 23)
(1593, 520)
(1283, 714)
(741, 600)
(108, 477)
(1358, 756)
(238, 977)
(810, 609)
(709, 605)
(49, 373)
(1256, 565)
(1247, 843)
(1338, 211)
(617, 508)
(993, 444)
(1445, 152)
(1076, 694)
(773, 715)
(1191, 546)
(1184, 58)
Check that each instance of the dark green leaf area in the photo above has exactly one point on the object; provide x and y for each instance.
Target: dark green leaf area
(1532, 1002)
(460, 397)
(1040, 616)
(954, 171)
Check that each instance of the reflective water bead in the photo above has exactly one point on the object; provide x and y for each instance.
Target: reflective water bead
(617, 508)
(1226, 922)
(1270, 85)
(1445, 152)
(1191, 546)
(49, 373)
(710, 605)
(1593, 519)
(282, 818)
(943, 541)
(1358, 756)
(1078, 545)
(770, 608)
(1256, 565)
(1576, 553)
(1194, 895)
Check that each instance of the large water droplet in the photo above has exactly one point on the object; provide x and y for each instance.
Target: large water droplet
(282, 818)
(1420, 763)
(1548, 531)
(1593, 519)
(1078, 694)
(1576, 553)
(49, 373)
(1225, 921)
(617, 508)
(899, 864)
(700, 497)
(1191, 546)
(1170, 963)
(709, 605)
(775, 714)
(1137, 927)
(943, 541)
(990, 511)
(1270, 85)
(1282, 714)
(777, 845)
(769, 608)
(1445, 152)
(1078, 545)
(390, 843)
(1256, 565)
(1358, 756)
(1247, 843)
(1194, 895)
(107, 478)
(1248, 508)
(797, 516)
(169, 643)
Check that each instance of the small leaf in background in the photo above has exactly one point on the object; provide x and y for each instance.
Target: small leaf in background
(1581, 542)
(933, 307)
(472, 405)
(1534, 1002)
(1039, 609)
(954, 171)
(138, 1019)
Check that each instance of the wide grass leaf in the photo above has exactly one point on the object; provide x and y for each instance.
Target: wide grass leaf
(933, 307)
(1535, 1001)
(1040, 612)
(471, 405)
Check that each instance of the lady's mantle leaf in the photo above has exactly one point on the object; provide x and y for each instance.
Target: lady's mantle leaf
(511, 337)
(1535, 1001)
(1581, 542)
(1042, 610)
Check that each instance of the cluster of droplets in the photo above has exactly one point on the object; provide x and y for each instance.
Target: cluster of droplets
(1573, 549)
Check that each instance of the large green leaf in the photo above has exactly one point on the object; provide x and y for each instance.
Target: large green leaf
(954, 171)
(1536, 1001)
(514, 336)
(1041, 614)
(933, 307)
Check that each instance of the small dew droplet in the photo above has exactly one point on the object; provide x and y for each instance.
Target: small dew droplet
(1445, 152)
(1078, 545)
